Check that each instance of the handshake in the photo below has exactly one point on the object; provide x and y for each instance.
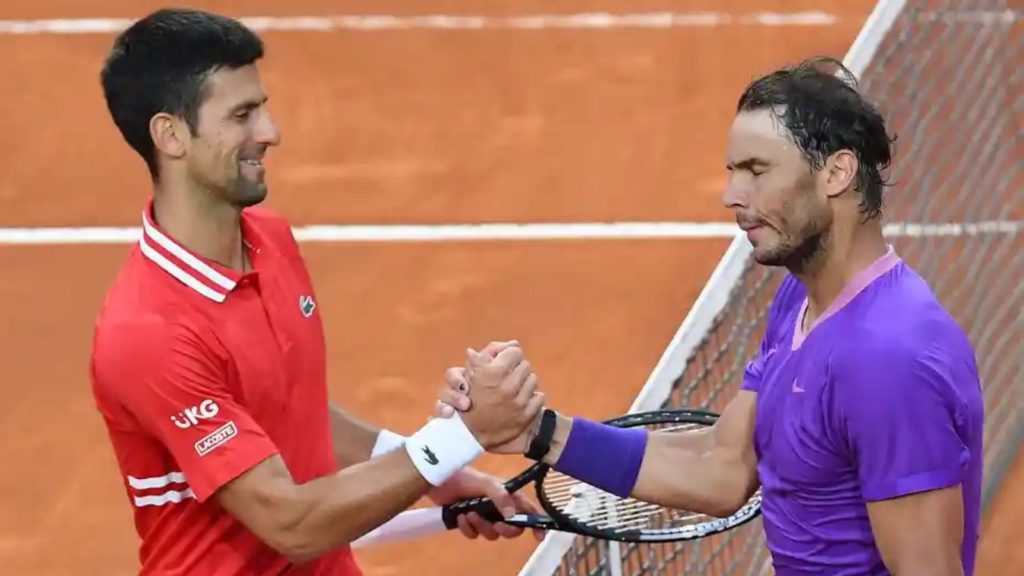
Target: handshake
(491, 404)
(496, 395)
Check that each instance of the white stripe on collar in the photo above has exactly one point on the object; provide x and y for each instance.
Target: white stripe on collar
(193, 266)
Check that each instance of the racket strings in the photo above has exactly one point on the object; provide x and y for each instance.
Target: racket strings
(607, 511)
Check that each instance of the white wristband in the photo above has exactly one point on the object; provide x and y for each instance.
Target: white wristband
(386, 442)
(442, 447)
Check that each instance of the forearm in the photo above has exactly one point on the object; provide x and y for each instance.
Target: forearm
(309, 519)
(683, 470)
(334, 510)
(353, 439)
(680, 470)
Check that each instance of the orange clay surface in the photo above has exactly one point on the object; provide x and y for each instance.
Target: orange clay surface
(408, 126)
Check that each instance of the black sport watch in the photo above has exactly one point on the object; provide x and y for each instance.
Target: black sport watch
(541, 443)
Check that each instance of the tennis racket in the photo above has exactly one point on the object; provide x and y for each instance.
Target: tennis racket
(575, 507)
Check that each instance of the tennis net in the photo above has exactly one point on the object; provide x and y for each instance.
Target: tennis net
(947, 76)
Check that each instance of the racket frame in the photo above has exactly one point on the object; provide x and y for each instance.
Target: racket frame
(559, 521)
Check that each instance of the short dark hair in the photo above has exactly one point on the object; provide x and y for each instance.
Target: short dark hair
(160, 64)
(825, 113)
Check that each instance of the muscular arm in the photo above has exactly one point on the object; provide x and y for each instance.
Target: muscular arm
(304, 521)
(920, 534)
(713, 471)
(353, 439)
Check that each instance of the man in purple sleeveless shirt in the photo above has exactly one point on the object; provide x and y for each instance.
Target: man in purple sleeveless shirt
(861, 417)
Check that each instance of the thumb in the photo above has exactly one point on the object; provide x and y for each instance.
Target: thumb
(492, 349)
(475, 358)
(502, 499)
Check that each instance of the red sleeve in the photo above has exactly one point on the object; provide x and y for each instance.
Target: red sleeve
(174, 384)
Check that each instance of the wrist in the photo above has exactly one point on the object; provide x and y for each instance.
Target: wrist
(386, 441)
(443, 447)
(538, 439)
(563, 427)
(604, 456)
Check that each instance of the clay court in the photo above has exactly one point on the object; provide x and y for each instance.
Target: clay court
(387, 127)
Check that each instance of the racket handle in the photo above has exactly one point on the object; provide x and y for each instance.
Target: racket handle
(482, 506)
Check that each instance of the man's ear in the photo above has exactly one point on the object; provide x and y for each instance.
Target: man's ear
(170, 135)
(840, 172)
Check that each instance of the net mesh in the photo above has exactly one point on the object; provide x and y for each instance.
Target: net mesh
(947, 75)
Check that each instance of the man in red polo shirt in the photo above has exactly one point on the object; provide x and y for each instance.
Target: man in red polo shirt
(208, 363)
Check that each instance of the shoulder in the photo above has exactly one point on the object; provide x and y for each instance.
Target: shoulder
(924, 359)
(897, 346)
(903, 320)
(129, 349)
(143, 288)
(144, 303)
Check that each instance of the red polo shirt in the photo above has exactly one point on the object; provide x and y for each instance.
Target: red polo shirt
(200, 373)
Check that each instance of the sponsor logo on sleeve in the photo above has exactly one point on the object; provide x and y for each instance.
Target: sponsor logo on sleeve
(217, 438)
(193, 414)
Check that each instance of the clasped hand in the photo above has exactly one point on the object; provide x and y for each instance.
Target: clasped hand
(502, 415)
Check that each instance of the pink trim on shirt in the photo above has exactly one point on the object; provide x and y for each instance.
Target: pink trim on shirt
(859, 282)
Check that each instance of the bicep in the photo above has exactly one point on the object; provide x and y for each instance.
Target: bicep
(733, 441)
(921, 533)
(260, 499)
(711, 470)
(733, 433)
(731, 438)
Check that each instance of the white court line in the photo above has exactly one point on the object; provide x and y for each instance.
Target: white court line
(493, 232)
(371, 22)
(586, 20)
(410, 233)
